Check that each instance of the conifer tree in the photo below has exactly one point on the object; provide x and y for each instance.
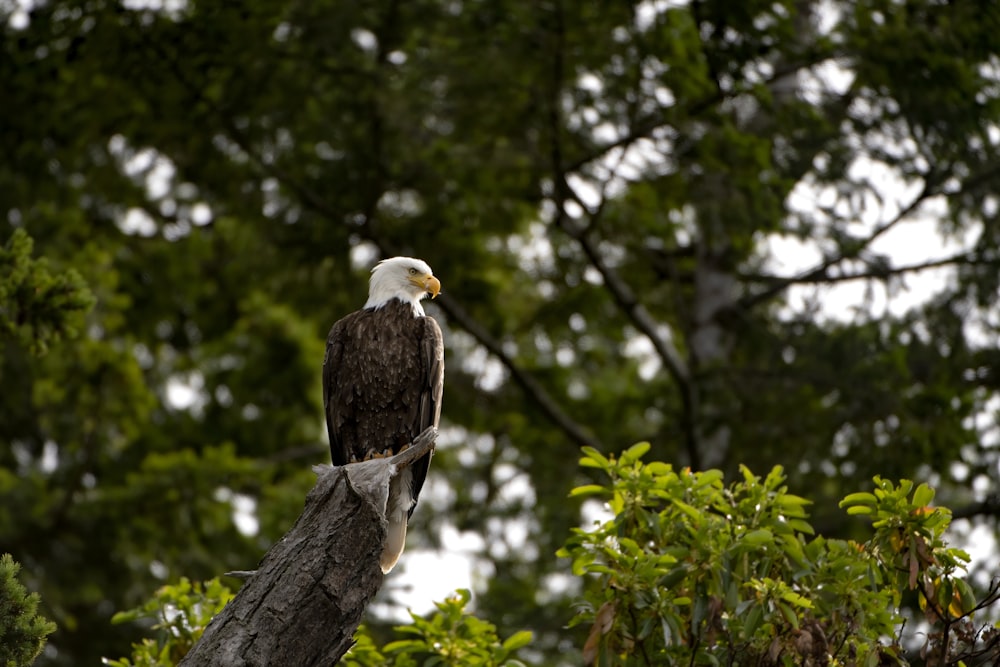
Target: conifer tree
(22, 629)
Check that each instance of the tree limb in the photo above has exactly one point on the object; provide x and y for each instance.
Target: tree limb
(620, 290)
(988, 507)
(964, 258)
(532, 387)
(305, 600)
(629, 303)
(816, 273)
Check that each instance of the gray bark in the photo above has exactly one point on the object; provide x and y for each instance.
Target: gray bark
(306, 599)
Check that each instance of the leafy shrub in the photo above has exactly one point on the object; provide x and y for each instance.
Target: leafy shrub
(451, 636)
(180, 613)
(693, 571)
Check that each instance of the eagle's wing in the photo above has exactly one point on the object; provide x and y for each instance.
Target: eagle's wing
(432, 360)
(431, 389)
(331, 361)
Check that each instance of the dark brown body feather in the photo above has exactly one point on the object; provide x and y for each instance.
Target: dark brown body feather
(382, 381)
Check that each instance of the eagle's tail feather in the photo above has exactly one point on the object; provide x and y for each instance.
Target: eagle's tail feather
(395, 540)
(397, 512)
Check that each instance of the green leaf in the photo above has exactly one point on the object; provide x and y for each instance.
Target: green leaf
(793, 548)
(966, 595)
(518, 640)
(796, 599)
(594, 459)
(673, 577)
(859, 499)
(635, 452)
(788, 501)
(647, 627)
(923, 496)
(587, 490)
(788, 614)
(402, 644)
(659, 468)
(801, 526)
(690, 511)
(125, 616)
(752, 620)
(709, 477)
(759, 537)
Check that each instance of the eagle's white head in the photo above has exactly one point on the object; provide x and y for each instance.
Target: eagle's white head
(404, 278)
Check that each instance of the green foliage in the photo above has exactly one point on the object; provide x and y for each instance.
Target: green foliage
(22, 629)
(908, 545)
(450, 636)
(38, 305)
(692, 571)
(689, 570)
(222, 174)
(180, 613)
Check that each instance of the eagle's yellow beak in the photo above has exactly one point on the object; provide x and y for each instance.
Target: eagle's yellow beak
(429, 283)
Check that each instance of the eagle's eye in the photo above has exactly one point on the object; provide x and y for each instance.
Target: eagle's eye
(413, 271)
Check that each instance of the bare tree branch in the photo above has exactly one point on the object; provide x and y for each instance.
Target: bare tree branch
(535, 391)
(644, 128)
(627, 301)
(964, 258)
(619, 289)
(988, 507)
(817, 272)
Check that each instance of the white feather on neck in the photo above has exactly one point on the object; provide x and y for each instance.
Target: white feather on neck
(376, 301)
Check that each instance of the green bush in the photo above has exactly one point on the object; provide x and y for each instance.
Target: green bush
(180, 613)
(692, 571)
(451, 636)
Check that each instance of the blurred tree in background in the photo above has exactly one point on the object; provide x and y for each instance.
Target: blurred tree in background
(612, 194)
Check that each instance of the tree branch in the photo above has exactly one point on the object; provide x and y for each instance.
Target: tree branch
(619, 289)
(989, 506)
(305, 600)
(629, 303)
(644, 128)
(535, 391)
(816, 273)
(966, 258)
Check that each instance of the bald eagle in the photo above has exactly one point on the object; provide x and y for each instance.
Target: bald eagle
(382, 379)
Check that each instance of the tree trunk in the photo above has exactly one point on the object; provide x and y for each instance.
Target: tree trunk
(305, 600)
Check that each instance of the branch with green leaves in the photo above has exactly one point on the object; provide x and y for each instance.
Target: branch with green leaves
(690, 570)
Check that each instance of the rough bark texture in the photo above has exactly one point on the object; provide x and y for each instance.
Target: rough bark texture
(306, 599)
